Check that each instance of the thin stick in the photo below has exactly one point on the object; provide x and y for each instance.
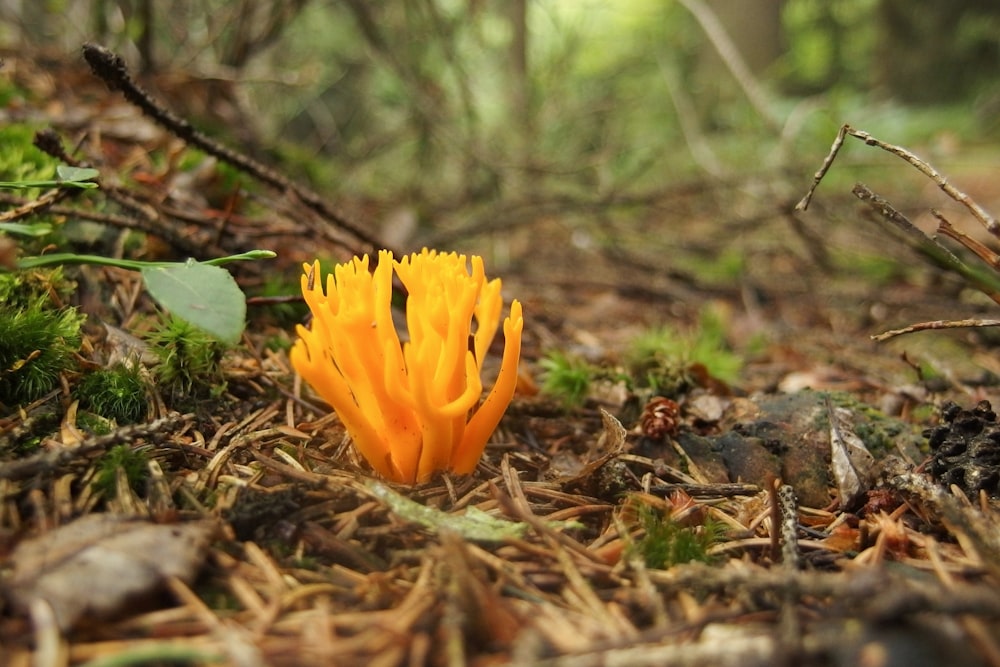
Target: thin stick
(987, 220)
(732, 59)
(838, 141)
(984, 253)
(936, 324)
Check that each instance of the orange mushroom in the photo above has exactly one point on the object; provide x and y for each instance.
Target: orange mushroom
(414, 408)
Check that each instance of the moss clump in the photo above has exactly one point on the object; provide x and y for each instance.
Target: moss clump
(190, 361)
(566, 378)
(666, 543)
(91, 422)
(20, 289)
(37, 344)
(668, 361)
(135, 463)
(117, 393)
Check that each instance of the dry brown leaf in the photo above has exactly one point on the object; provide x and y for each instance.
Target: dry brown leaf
(853, 465)
(96, 564)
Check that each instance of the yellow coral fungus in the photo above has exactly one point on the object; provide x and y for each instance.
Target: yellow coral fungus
(414, 408)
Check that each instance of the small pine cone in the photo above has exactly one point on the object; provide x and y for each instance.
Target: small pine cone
(660, 418)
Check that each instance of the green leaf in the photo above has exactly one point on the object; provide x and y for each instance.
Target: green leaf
(76, 175)
(32, 229)
(206, 296)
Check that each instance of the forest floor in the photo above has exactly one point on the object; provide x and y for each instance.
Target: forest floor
(601, 533)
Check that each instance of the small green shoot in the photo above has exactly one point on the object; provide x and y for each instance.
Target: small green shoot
(34, 229)
(566, 378)
(117, 393)
(666, 543)
(206, 296)
(135, 463)
(38, 346)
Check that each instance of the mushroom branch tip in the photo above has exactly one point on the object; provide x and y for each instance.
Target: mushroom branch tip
(416, 407)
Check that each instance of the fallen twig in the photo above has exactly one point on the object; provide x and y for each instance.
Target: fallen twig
(936, 324)
(53, 459)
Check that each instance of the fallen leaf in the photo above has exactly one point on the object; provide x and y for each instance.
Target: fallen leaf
(96, 564)
(611, 444)
(853, 465)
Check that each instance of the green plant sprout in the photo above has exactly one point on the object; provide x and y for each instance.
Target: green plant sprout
(39, 344)
(117, 393)
(666, 543)
(202, 293)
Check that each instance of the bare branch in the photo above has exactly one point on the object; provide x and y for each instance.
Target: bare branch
(111, 68)
(980, 214)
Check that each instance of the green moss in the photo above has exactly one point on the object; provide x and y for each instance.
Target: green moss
(662, 358)
(20, 160)
(666, 543)
(93, 423)
(135, 463)
(117, 393)
(880, 434)
(189, 366)
(39, 344)
(566, 378)
(22, 288)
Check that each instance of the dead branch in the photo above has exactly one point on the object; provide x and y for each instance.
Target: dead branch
(930, 248)
(987, 220)
(49, 461)
(984, 253)
(111, 68)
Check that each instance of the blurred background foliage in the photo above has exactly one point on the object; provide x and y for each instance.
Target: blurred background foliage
(442, 104)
